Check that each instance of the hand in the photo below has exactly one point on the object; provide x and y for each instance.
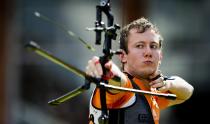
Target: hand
(159, 83)
(94, 69)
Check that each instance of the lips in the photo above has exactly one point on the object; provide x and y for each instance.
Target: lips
(148, 62)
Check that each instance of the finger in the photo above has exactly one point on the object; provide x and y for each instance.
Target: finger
(89, 72)
(90, 69)
(157, 81)
(98, 69)
(158, 72)
(163, 88)
(108, 65)
(157, 85)
(93, 67)
(97, 66)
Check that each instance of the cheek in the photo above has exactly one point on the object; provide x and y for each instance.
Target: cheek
(134, 55)
(158, 58)
(135, 60)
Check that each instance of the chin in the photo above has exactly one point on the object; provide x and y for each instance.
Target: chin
(147, 72)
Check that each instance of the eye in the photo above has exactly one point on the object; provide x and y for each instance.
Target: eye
(154, 46)
(140, 46)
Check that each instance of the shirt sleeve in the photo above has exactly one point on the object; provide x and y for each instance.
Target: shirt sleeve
(163, 102)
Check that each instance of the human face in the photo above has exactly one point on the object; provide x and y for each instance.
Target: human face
(144, 53)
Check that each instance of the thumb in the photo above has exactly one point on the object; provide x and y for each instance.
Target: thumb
(108, 65)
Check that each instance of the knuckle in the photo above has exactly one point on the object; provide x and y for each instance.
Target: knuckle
(90, 61)
(95, 58)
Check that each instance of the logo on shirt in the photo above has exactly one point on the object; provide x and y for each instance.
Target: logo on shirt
(143, 117)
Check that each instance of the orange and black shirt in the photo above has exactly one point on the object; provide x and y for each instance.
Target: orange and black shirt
(128, 107)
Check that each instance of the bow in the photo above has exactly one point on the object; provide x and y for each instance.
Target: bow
(110, 34)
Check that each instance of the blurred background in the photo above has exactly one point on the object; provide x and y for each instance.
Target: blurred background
(29, 81)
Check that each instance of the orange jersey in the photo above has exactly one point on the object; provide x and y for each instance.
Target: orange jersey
(125, 99)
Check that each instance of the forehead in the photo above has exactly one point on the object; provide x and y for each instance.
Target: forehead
(148, 36)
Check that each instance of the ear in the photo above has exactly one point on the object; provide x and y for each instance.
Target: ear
(123, 57)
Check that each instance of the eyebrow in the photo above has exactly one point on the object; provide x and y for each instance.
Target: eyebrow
(155, 42)
(150, 42)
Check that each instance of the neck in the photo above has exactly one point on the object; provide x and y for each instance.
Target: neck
(145, 81)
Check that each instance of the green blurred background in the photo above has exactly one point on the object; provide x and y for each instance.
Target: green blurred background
(29, 81)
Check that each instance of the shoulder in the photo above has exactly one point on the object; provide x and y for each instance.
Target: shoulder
(113, 100)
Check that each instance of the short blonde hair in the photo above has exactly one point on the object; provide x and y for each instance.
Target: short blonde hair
(141, 25)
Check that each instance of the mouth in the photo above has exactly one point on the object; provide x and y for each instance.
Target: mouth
(148, 62)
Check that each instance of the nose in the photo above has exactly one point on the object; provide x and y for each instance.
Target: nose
(147, 52)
